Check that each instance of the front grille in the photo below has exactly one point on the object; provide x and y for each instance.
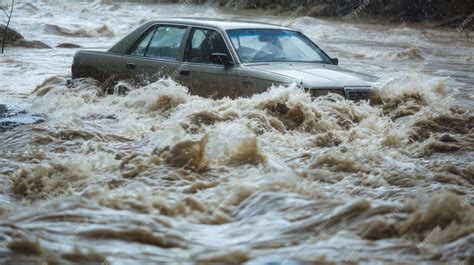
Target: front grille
(358, 95)
(351, 93)
(318, 92)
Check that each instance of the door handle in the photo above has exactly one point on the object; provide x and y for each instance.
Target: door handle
(131, 66)
(185, 72)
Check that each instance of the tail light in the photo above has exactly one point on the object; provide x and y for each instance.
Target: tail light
(73, 70)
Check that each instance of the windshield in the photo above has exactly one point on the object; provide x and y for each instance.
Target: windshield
(275, 45)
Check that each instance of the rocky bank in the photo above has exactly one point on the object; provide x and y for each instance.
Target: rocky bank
(15, 39)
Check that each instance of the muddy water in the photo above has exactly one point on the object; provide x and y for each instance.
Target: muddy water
(161, 176)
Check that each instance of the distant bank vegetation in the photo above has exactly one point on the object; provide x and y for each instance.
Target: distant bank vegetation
(444, 12)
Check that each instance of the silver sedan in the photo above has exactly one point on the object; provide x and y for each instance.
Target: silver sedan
(222, 58)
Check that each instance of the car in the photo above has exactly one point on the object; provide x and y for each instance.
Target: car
(220, 58)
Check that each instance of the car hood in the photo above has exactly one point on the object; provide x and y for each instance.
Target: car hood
(317, 75)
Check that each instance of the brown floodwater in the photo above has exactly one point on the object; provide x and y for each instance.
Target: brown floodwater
(162, 176)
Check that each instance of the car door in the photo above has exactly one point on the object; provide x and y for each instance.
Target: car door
(202, 75)
(155, 54)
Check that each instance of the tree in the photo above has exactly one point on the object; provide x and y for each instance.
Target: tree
(9, 16)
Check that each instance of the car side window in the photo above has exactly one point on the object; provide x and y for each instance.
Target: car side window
(166, 42)
(198, 38)
(203, 43)
(139, 48)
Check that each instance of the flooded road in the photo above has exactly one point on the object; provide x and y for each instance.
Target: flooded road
(161, 176)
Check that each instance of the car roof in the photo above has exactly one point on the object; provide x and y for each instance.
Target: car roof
(224, 24)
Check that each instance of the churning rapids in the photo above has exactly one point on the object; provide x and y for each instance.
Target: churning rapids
(161, 176)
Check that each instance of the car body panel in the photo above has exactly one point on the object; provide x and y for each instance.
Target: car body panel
(251, 80)
(315, 75)
(142, 69)
(207, 80)
(104, 69)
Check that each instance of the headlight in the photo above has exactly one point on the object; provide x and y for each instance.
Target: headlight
(357, 93)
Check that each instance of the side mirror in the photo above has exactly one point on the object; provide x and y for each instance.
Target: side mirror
(221, 58)
(335, 61)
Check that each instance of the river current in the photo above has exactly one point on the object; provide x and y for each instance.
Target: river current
(162, 176)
